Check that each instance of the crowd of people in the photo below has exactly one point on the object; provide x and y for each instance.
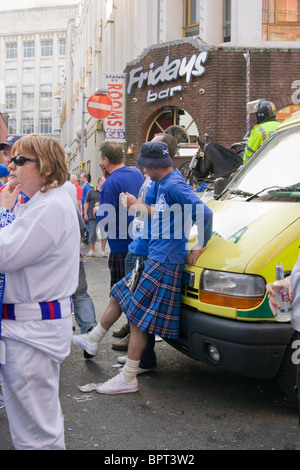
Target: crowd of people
(43, 213)
(142, 214)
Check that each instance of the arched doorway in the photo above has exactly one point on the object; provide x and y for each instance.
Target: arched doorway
(180, 124)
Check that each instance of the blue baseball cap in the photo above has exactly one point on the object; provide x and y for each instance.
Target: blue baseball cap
(10, 141)
(154, 155)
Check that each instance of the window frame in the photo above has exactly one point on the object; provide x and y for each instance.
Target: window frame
(187, 25)
(47, 48)
(13, 98)
(46, 124)
(28, 72)
(28, 49)
(13, 74)
(48, 100)
(227, 28)
(12, 126)
(267, 25)
(9, 49)
(62, 47)
(29, 123)
(27, 101)
(45, 72)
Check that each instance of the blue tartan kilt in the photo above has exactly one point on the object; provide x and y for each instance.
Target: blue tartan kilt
(154, 306)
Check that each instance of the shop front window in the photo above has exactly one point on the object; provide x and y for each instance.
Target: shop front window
(191, 17)
(281, 20)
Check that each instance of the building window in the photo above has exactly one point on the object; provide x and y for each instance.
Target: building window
(28, 76)
(46, 75)
(227, 20)
(47, 48)
(177, 122)
(12, 126)
(60, 74)
(281, 20)
(11, 51)
(11, 77)
(191, 17)
(46, 126)
(11, 101)
(27, 126)
(28, 101)
(46, 100)
(62, 47)
(285, 112)
(29, 49)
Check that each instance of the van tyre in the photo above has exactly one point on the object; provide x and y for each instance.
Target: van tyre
(287, 375)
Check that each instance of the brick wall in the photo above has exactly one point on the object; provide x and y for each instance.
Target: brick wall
(221, 110)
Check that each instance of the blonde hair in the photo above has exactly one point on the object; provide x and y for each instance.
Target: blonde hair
(51, 158)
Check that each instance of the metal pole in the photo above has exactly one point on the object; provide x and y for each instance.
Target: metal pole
(82, 130)
(247, 57)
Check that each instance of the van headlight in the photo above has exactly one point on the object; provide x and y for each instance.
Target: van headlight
(242, 291)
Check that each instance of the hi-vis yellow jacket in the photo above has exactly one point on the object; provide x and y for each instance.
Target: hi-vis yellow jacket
(259, 134)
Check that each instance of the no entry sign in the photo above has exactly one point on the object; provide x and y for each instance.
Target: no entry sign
(99, 106)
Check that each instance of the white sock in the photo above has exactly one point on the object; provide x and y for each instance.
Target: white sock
(130, 370)
(96, 334)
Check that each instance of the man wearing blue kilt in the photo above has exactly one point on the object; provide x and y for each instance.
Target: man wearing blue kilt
(153, 305)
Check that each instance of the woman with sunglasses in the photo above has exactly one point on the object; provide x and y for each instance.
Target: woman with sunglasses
(39, 254)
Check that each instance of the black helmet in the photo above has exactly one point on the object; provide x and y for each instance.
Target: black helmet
(265, 110)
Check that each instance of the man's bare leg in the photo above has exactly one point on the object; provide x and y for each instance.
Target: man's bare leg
(126, 381)
(90, 341)
(137, 344)
(110, 316)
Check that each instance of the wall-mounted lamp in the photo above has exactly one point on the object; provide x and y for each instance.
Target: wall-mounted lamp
(201, 91)
(134, 100)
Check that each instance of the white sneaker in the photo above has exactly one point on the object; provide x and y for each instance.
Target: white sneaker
(122, 359)
(103, 254)
(91, 253)
(142, 371)
(82, 342)
(117, 385)
(88, 387)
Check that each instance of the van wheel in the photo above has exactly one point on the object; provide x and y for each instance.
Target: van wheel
(287, 375)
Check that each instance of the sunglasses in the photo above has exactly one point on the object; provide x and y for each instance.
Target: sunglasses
(19, 160)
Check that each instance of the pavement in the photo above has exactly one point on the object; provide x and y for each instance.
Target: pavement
(181, 408)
